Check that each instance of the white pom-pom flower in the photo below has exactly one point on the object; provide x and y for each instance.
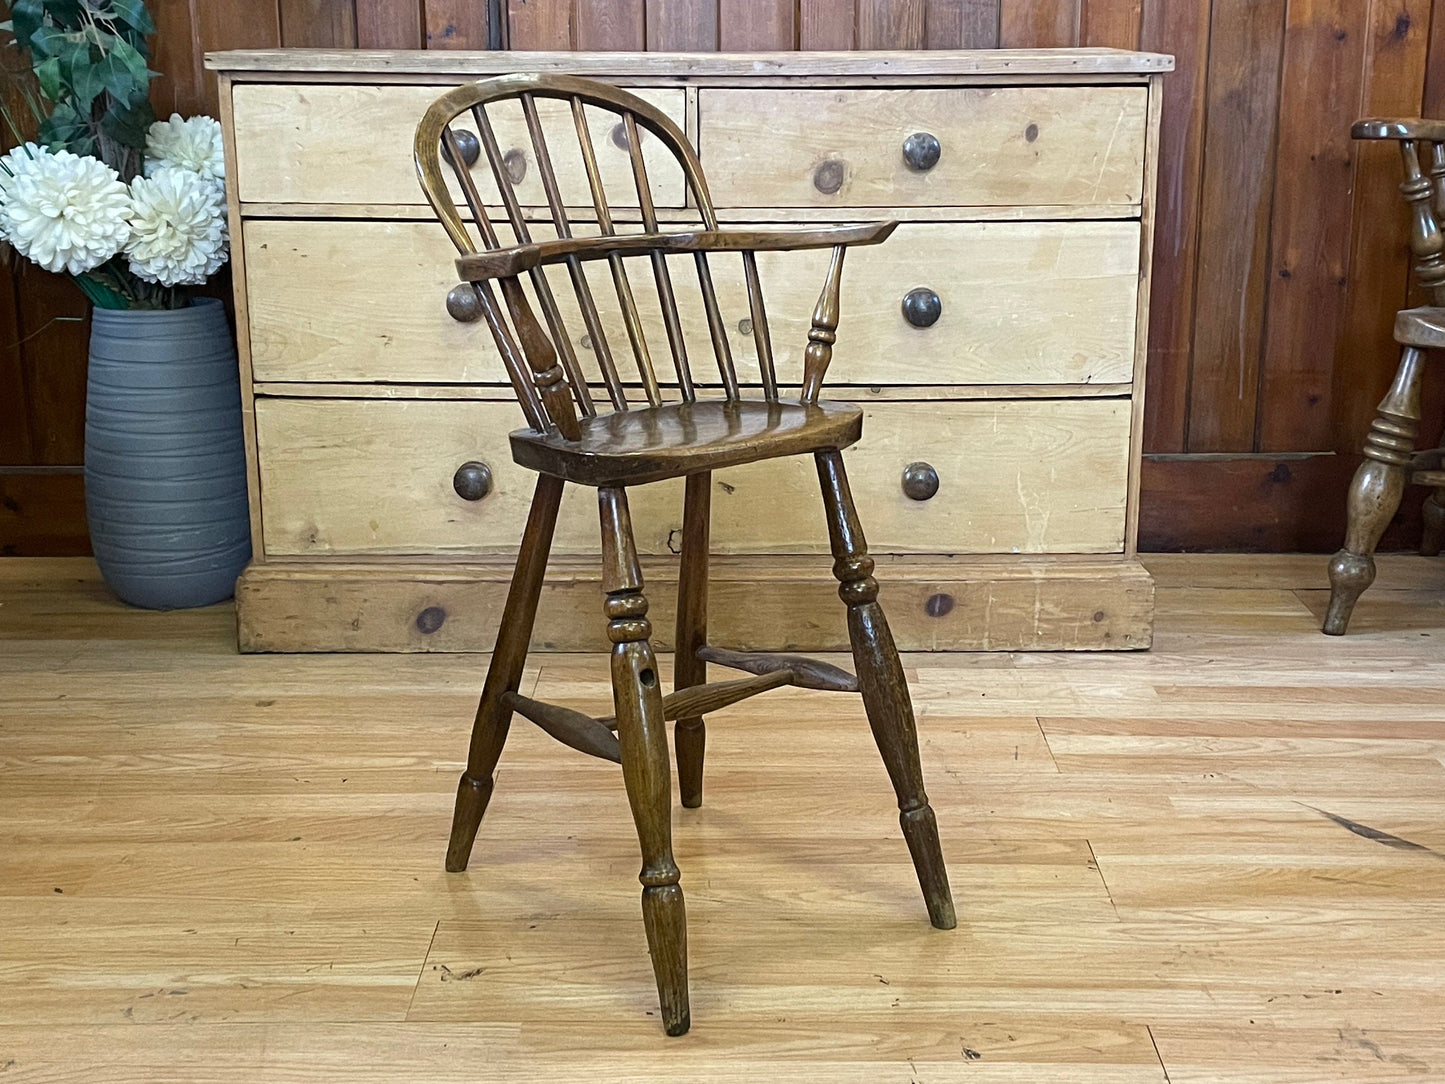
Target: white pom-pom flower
(66, 212)
(193, 143)
(178, 228)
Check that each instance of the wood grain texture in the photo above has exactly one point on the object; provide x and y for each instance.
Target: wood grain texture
(1038, 24)
(891, 24)
(42, 513)
(1185, 25)
(826, 24)
(682, 25)
(385, 24)
(618, 25)
(1149, 827)
(540, 24)
(746, 26)
(1112, 24)
(456, 24)
(318, 24)
(1236, 193)
(1323, 64)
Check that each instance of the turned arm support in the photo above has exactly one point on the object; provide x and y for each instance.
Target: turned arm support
(1424, 194)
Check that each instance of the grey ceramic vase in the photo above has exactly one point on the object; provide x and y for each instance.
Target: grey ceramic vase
(165, 461)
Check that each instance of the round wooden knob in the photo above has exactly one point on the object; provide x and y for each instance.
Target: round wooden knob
(921, 151)
(462, 303)
(922, 307)
(920, 481)
(472, 481)
(829, 175)
(467, 143)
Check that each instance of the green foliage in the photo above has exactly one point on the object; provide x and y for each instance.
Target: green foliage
(91, 60)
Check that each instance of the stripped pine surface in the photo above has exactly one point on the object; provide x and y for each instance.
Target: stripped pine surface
(1224, 858)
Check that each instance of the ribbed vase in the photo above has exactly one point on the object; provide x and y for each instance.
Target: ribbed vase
(165, 461)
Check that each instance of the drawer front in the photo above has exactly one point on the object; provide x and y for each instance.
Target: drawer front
(300, 143)
(374, 476)
(1020, 303)
(998, 146)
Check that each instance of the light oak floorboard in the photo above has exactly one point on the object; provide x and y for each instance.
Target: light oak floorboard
(1223, 858)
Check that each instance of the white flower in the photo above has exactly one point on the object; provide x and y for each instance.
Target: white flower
(66, 212)
(178, 228)
(194, 144)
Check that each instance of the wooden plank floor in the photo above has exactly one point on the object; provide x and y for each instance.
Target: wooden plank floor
(1222, 860)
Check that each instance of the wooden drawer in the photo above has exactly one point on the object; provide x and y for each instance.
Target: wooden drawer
(1022, 303)
(1000, 146)
(374, 476)
(304, 143)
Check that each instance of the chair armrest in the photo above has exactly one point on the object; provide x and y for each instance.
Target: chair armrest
(510, 262)
(1399, 128)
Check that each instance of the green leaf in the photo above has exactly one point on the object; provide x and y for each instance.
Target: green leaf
(47, 41)
(134, 64)
(26, 17)
(48, 72)
(128, 123)
(134, 14)
(86, 83)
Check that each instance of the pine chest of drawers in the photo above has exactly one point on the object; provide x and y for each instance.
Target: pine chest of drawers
(996, 344)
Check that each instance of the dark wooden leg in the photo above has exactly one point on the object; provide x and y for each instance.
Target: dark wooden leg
(489, 732)
(642, 734)
(1376, 490)
(1434, 534)
(885, 693)
(690, 735)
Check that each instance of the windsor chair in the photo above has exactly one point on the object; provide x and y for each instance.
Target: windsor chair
(568, 438)
(1391, 460)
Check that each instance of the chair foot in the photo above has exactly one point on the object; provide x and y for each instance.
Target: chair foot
(1350, 574)
(664, 915)
(690, 735)
(472, 798)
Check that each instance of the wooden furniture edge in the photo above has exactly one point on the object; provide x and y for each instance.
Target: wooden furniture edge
(964, 62)
(933, 604)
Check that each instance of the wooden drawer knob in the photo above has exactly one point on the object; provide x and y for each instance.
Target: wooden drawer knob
(472, 481)
(467, 143)
(462, 303)
(920, 481)
(921, 307)
(921, 151)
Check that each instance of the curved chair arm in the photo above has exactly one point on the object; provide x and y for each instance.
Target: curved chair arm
(510, 262)
(1399, 128)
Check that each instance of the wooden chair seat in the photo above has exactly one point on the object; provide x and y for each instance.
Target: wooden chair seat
(1423, 327)
(676, 439)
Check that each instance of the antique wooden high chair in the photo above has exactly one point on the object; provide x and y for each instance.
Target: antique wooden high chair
(1391, 460)
(569, 440)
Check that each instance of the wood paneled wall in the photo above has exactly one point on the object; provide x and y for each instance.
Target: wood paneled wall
(1280, 256)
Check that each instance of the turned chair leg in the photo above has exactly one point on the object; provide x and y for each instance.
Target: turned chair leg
(885, 692)
(690, 735)
(1375, 491)
(489, 732)
(1432, 538)
(642, 735)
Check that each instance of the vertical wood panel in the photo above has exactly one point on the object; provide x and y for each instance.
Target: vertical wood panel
(456, 24)
(1181, 27)
(1365, 353)
(826, 24)
(318, 24)
(749, 26)
(388, 24)
(540, 24)
(617, 25)
(56, 320)
(682, 25)
(1246, 41)
(15, 446)
(1038, 24)
(963, 24)
(236, 24)
(1310, 238)
(891, 24)
(1112, 24)
(177, 54)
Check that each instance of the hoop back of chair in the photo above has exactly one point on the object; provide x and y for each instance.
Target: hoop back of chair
(545, 370)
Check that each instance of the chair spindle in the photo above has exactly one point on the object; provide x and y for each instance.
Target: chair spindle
(580, 285)
(824, 332)
(665, 295)
(761, 338)
(716, 330)
(537, 275)
(630, 317)
(1426, 240)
